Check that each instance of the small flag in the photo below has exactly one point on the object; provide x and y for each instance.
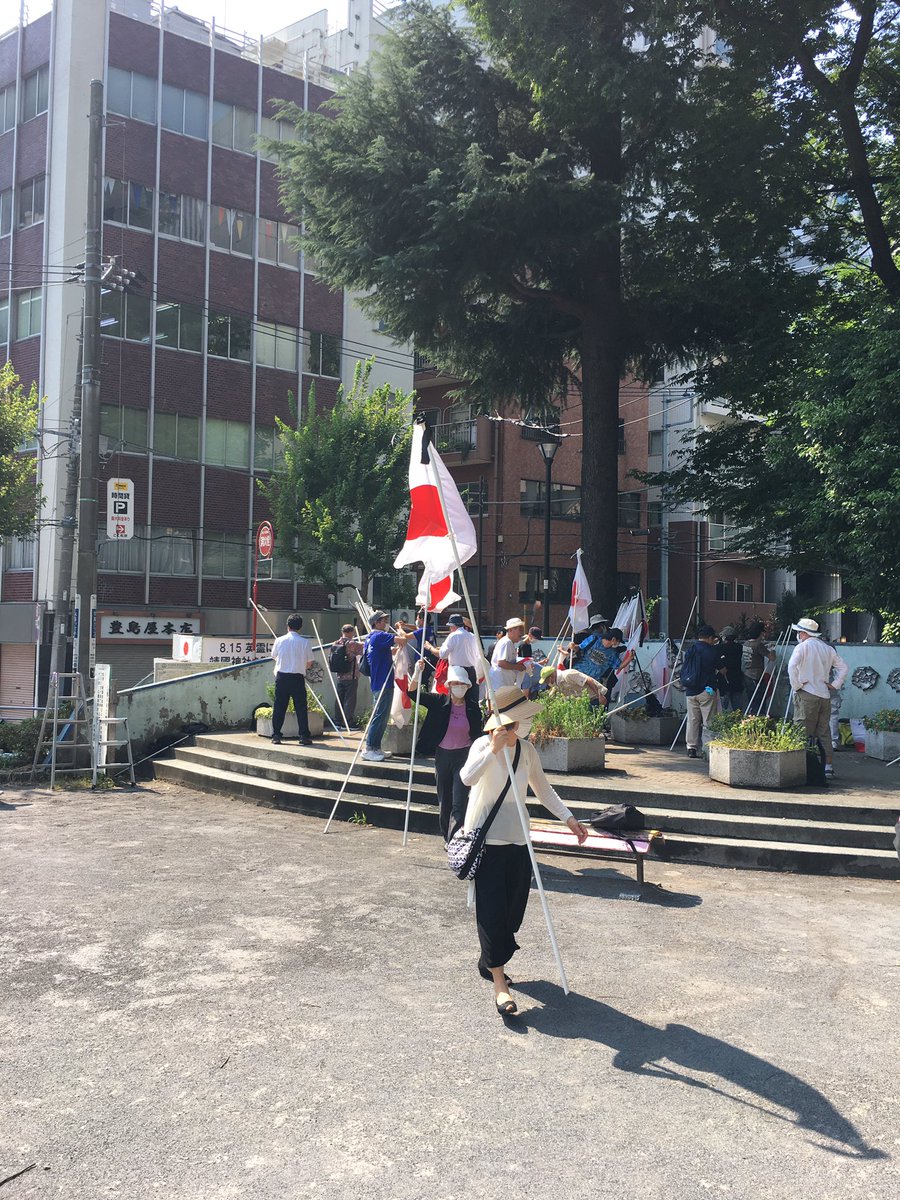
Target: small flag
(581, 599)
(428, 534)
(438, 596)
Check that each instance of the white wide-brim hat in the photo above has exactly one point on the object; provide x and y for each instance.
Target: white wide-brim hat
(807, 625)
(515, 623)
(458, 675)
(510, 705)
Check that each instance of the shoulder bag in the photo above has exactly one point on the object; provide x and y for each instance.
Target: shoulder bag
(465, 850)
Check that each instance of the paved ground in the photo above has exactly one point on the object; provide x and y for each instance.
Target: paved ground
(202, 1000)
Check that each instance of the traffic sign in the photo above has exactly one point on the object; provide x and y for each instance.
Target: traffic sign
(119, 509)
(265, 540)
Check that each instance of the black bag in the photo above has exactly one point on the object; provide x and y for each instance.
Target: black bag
(465, 850)
(618, 818)
(815, 765)
(690, 669)
(339, 661)
(365, 667)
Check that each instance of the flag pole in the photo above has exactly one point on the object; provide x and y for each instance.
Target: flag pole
(678, 657)
(331, 677)
(523, 814)
(415, 730)
(362, 742)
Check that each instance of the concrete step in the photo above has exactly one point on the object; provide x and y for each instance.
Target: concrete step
(798, 857)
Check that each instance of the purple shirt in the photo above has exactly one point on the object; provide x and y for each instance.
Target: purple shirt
(457, 736)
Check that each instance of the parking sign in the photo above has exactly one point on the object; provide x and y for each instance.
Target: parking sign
(119, 509)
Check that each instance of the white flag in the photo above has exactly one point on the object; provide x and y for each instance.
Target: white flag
(428, 535)
(581, 599)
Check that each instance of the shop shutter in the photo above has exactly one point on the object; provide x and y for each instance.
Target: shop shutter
(16, 681)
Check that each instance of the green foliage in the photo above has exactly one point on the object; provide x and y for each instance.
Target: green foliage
(890, 632)
(19, 493)
(762, 733)
(358, 818)
(725, 722)
(566, 717)
(342, 494)
(886, 720)
(639, 712)
(18, 741)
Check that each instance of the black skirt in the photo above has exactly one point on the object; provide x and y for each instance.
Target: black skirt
(501, 897)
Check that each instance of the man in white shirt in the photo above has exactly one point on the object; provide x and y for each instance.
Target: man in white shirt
(506, 666)
(292, 660)
(461, 649)
(810, 669)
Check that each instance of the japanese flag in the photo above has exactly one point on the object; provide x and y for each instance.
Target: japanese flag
(437, 596)
(581, 599)
(428, 533)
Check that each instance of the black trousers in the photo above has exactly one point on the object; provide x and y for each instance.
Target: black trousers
(453, 795)
(501, 897)
(290, 686)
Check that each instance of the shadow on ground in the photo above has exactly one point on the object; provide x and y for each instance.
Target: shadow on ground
(643, 1049)
(607, 883)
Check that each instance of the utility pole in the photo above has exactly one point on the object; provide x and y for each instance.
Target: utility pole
(86, 569)
(62, 605)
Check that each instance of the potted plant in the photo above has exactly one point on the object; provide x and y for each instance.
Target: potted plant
(568, 734)
(263, 715)
(883, 734)
(757, 752)
(638, 725)
(398, 739)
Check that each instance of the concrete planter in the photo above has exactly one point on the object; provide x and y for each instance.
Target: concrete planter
(885, 746)
(572, 754)
(655, 731)
(761, 769)
(398, 742)
(289, 725)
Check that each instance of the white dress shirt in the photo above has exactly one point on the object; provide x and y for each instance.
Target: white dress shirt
(486, 773)
(460, 648)
(291, 653)
(505, 652)
(810, 667)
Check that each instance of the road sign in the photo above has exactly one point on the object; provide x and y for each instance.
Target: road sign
(119, 509)
(265, 540)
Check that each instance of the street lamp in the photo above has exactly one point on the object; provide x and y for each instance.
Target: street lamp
(548, 445)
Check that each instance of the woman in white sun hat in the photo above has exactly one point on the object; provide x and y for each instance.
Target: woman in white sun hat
(504, 876)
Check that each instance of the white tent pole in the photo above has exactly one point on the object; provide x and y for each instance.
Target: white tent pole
(523, 814)
(359, 748)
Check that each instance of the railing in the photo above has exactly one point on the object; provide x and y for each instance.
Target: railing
(455, 436)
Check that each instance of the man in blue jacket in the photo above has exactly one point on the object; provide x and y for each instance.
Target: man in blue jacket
(699, 675)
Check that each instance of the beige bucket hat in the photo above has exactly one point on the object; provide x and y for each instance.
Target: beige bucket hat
(511, 705)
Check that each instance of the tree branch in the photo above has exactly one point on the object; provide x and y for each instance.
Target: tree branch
(848, 79)
(557, 300)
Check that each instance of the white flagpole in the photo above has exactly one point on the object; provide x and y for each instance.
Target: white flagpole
(415, 730)
(359, 748)
(678, 657)
(331, 677)
(523, 813)
(784, 658)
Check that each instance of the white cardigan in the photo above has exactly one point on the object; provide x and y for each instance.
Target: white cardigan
(485, 772)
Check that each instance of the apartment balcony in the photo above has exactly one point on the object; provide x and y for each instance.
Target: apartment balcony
(469, 441)
(427, 374)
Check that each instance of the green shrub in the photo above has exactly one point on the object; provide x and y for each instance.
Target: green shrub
(638, 712)
(568, 717)
(763, 733)
(886, 720)
(724, 722)
(18, 740)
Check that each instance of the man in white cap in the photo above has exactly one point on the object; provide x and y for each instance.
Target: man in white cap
(506, 666)
(810, 669)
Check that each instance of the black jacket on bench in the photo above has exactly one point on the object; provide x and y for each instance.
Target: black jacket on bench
(438, 718)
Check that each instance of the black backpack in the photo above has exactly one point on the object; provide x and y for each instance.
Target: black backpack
(690, 669)
(339, 661)
(618, 818)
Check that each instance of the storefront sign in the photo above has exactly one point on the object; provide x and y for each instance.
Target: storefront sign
(139, 627)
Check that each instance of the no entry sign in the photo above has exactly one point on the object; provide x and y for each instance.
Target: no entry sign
(265, 540)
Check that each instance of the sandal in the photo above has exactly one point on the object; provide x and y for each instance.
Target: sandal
(507, 1007)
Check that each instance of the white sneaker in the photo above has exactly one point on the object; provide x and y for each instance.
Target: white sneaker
(373, 756)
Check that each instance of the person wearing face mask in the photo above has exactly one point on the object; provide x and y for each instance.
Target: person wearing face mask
(504, 876)
(451, 725)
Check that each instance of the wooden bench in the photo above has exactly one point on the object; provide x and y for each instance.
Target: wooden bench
(560, 840)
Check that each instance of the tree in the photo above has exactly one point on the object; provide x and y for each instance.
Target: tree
(19, 492)
(536, 211)
(342, 494)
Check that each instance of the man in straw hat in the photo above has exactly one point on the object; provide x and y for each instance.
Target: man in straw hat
(504, 876)
(810, 669)
(506, 666)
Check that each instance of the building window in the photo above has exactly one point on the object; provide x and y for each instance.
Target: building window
(276, 131)
(228, 337)
(129, 313)
(323, 355)
(6, 207)
(629, 516)
(744, 592)
(227, 443)
(28, 314)
(722, 534)
(128, 203)
(231, 230)
(471, 492)
(4, 320)
(476, 582)
(124, 557)
(655, 443)
(179, 326)
(233, 127)
(184, 111)
(627, 582)
(31, 202)
(172, 551)
(176, 436)
(288, 252)
(131, 95)
(654, 513)
(531, 584)
(125, 427)
(18, 554)
(723, 589)
(224, 554)
(193, 219)
(35, 93)
(268, 449)
(565, 500)
(7, 108)
(621, 436)
(276, 346)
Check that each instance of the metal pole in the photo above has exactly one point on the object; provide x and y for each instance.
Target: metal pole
(549, 468)
(86, 568)
(63, 603)
(481, 580)
(415, 733)
(331, 678)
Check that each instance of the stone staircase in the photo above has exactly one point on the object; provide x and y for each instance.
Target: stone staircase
(811, 834)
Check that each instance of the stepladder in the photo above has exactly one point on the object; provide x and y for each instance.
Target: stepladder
(64, 743)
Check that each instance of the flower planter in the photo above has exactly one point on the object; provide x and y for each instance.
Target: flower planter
(289, 725)
(655, 731)
(883, 745)
(761, 769)
(572, 754)
(398, 742)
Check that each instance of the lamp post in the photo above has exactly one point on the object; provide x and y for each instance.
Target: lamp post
(548, 445)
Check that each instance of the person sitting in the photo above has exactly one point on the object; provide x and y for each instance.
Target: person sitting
(451, 725)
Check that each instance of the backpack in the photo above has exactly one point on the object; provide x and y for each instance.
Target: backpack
(339, 660)
(690, 669)
(618, 818)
